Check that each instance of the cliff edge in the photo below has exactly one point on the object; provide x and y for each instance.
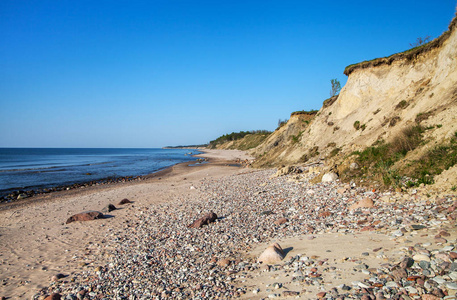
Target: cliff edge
(381, 98)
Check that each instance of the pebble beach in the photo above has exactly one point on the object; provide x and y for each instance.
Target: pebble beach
(335, 246)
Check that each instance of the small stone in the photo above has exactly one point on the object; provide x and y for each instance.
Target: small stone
(418, 227)
(353, 166)
(124, 201)
(281, 221)
(223, 262)
(421, 257)
(364, 203)
(277, 285)
(54, 296)
(399, 274)
(321, 294)
(109, 208)
(430, 297)
(453, 267)
(424, 264)
(448, 248)
(439, 280)
(391, 284)
(57, 277)
(363, 285)
(290, 293)
(451, 285)
(440, 240)
(205, 220)
(407, 262)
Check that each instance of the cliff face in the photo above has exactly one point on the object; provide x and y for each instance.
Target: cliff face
(378, 100)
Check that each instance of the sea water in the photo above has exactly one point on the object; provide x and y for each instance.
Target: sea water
(38, 168)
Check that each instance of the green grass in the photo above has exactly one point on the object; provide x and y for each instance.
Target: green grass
(296, 138)
(305, 112)
(377, 161)
(356, 125)
(234, 136)
(402, 105)
(434, 162)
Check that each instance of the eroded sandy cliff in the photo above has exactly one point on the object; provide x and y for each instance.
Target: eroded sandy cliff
(379, 100)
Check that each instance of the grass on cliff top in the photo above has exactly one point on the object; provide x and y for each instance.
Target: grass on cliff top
(305, 112)
(409, 54)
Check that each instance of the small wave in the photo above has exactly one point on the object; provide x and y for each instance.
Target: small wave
(50, 168)
(28, 169)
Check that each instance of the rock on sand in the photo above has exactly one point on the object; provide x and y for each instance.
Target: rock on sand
(273, 254)
(85, 216)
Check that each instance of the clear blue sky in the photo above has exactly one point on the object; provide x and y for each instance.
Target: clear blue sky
(165, 72)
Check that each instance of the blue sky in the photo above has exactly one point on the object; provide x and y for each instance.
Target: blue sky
(165, 72)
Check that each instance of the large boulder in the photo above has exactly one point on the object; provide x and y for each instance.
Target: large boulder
(272, 255)
(329, 177)
(86, 216)
(205, 220)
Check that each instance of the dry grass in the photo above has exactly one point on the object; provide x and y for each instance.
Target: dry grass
(408, 55)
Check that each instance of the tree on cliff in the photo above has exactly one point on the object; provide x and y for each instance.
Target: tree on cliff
(336, 87)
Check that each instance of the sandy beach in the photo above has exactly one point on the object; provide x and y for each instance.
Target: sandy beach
(402, 245)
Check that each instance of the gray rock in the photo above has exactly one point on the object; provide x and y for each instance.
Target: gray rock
(329, 177)
(451, 285)
(453, 267)
(424, 264)
(353, 166)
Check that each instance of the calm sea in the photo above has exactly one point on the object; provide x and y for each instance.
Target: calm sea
(36, 168)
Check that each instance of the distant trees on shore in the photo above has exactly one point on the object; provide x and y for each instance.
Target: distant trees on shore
(236, 136)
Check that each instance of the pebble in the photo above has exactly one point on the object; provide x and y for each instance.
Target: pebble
(451, 285)
(156, 256)
(421, 257)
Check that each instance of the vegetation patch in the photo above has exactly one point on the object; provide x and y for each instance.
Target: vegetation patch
(357, 125)
(296, 138)
(402, 105)
(422, 117)
(334, 152)
(234, 136)
(304, 112)
(281, 123)
(394, 121)
(434, 162)
(328, 102)
(376, 162)
(311, 153)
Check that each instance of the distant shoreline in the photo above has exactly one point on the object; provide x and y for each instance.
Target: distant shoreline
(9, 198)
